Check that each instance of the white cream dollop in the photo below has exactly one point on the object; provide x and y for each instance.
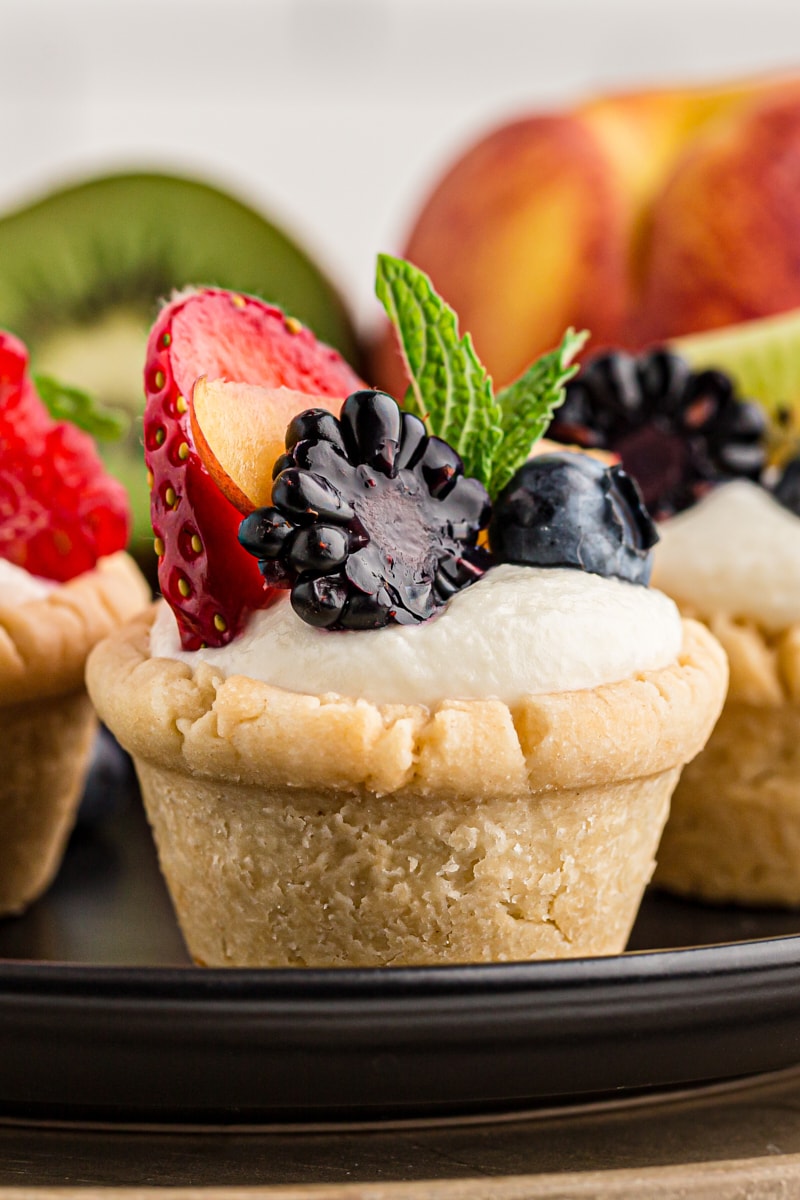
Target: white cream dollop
(518, 631)
(18, 586)
(736, 552)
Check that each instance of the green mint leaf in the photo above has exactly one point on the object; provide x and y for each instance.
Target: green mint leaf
(450, 389)
(66, 403)
(528, 404)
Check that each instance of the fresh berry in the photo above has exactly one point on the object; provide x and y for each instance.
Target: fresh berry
(372, 521)
(207, 578)
(59, 509)
(676, 431)
(569, 510)
(13, 368)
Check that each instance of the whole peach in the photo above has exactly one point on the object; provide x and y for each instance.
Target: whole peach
(639, 217)
(722, 243)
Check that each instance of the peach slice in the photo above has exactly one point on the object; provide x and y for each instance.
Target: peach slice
(239, 431)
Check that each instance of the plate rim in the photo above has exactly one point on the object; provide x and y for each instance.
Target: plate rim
(197, 984)
(301, 1046)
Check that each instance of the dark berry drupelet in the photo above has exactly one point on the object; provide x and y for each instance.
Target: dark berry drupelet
(678, 432)
(569, 510)
(372, 521)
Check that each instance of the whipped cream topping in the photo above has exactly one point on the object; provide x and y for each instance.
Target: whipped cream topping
(18, 586)
(518, 631)
(735, 552)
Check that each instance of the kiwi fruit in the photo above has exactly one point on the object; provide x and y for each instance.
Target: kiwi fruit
(84, 268)
(762, 356)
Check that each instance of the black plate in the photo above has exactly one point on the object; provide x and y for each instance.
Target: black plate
(103, 1018)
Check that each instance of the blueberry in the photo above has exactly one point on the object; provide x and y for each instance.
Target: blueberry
(569, 510)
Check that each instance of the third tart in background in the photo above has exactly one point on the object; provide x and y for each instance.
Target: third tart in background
(729, 554)
(65, 583)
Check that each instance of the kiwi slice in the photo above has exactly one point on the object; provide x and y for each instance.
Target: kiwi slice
(763, 357)
(83, 269)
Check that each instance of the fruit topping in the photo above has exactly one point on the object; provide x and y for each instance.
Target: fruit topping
(372, 521)
(677, 432)
(370, 517)
(553, 510)
(59, 509)
(239, 430)
(210, 582)
(570, 510)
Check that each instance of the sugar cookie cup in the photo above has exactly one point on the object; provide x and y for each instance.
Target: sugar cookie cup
(318, 831)
(47, 722)
(733, 562)
(734, 831)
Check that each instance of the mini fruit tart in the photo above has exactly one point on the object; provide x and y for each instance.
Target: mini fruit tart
(728, 553)
(65, 583)
(733, 561)
(449, 730)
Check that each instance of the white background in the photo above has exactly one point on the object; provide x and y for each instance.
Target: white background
(334, 116)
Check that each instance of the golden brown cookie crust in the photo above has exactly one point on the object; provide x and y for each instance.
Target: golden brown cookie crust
(764, 664)
(48, 722)
(291, 877)
(733, 834)
(45, 747)
(44, 643)
(250, 732)
(298, 830)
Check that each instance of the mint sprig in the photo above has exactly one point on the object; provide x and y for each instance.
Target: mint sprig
(65, 403)
(450, 388)
(528, 405)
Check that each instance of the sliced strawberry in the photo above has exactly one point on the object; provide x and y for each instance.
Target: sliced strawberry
(59, 509)
(22, 410)
(209, 581)
(13, 366)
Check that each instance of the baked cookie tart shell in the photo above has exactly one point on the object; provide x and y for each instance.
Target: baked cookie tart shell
(734, 831)
(299, 830)
(47, 722)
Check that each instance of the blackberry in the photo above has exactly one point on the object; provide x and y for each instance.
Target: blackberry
(372, 521)
(570, 510)
(677, 432)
